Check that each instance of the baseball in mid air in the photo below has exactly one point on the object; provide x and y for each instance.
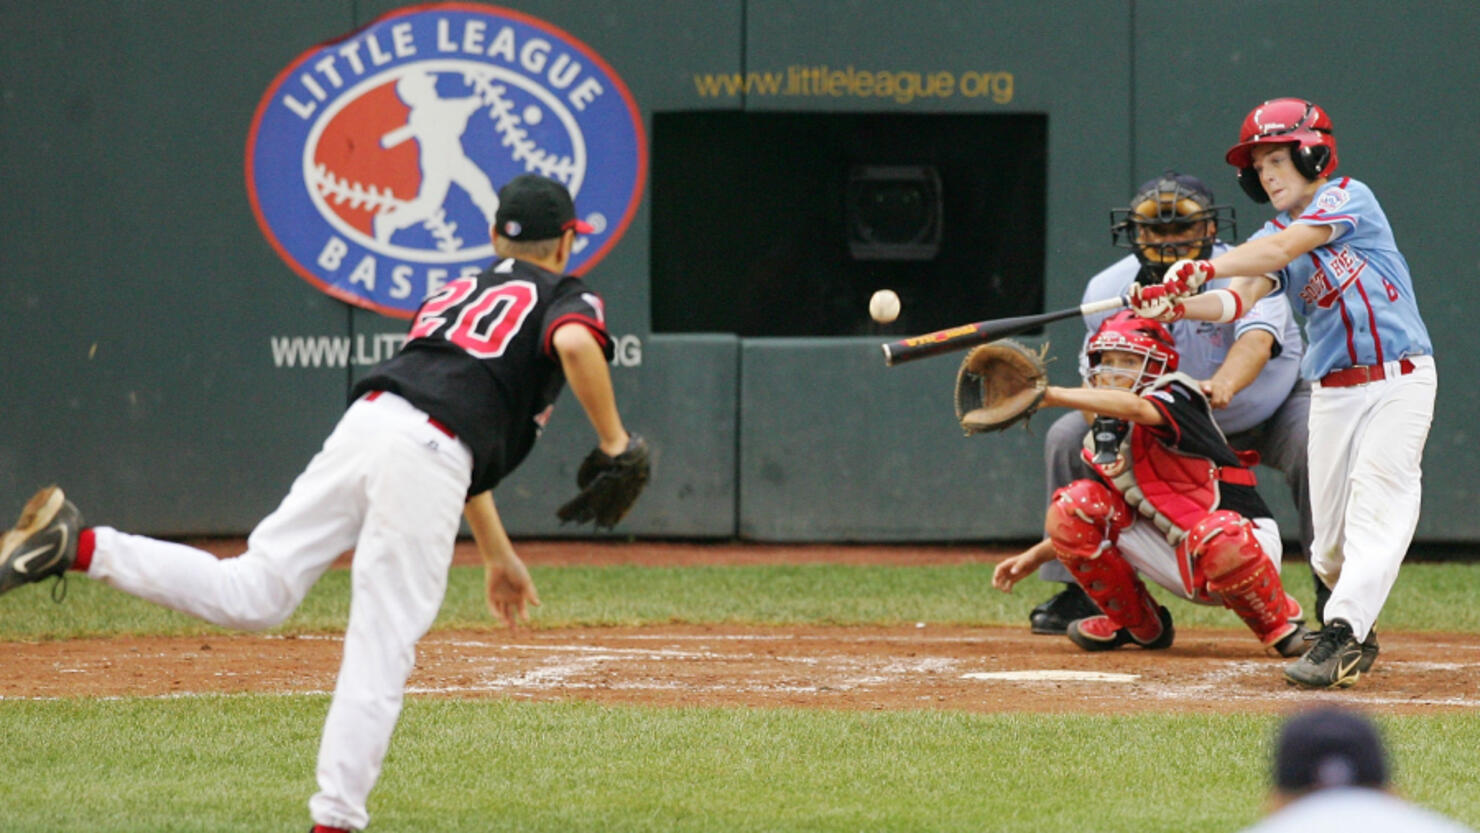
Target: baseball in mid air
(883, 307)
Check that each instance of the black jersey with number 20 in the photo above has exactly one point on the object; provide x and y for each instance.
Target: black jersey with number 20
(479, 359)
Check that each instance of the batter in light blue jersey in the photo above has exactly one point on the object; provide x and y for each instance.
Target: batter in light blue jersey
(1369, 356)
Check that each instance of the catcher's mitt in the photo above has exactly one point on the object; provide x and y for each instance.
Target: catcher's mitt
(999, 385)
(609, 485)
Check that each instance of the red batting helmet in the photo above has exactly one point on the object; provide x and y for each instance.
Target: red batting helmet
(1293, 121)
(1127, 332)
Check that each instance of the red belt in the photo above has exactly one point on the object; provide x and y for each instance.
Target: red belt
(375, 394)
(1362, 374)
(1238, 476)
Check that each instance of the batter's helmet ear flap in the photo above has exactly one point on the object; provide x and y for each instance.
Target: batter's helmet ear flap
(1311, 160)
(1248, 179)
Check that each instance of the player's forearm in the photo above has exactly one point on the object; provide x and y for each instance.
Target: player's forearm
(1119, 404)
(488, 529)
(1246, 359)
(1211, 306)
(1040, 553)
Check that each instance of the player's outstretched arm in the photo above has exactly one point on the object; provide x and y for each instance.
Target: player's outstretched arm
(506, 581)
(1120, 404)
(1271, 253)
(590, 380)
(1010, 571)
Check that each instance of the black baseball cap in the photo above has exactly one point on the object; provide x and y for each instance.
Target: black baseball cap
(1328, 746)
(533, 207)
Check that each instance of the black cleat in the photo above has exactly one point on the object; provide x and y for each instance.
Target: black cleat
(1332, 662)
(1052, 618)
(43, 542)
(1369, 651)
(1293, 645)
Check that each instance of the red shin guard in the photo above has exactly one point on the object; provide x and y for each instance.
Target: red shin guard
(1112, 582)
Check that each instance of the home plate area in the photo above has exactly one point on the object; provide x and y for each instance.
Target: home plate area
(906, 667)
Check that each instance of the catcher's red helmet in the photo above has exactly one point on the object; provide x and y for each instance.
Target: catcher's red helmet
(1129, 333)
(1293, 121)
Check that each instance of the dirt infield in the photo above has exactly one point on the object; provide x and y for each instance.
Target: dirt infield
(924, 666)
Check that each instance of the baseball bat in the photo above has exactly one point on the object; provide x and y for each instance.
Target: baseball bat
(966, 335)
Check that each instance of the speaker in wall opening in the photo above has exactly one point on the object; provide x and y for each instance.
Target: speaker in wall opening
(893, 212)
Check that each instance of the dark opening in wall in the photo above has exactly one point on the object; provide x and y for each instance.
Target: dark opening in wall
(783, 224)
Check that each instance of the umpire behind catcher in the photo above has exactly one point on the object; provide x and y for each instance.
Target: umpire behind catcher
(1250, 371)
(428, 435)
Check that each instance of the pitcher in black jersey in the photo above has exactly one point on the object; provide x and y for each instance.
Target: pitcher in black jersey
(427, 436)
(1170, 500)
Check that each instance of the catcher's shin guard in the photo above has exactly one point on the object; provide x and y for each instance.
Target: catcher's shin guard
(1241, 575)
(1083, 522)
(1112, 582)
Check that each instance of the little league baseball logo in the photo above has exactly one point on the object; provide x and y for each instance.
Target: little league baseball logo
(374, 161)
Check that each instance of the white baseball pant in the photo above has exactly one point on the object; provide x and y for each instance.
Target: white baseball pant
(388, 484)
(1366, 456)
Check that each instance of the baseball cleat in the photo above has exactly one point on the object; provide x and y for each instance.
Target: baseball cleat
(43, 542)
(1293, 644)
(1099, 633)
(1332, 662)
(1052, 618)
(1369, 651)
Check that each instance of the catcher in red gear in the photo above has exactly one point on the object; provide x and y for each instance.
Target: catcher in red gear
(1172, 500)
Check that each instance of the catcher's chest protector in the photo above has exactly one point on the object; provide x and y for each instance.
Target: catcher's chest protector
(1171, 488)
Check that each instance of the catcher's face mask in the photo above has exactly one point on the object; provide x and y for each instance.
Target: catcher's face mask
(1125, 369)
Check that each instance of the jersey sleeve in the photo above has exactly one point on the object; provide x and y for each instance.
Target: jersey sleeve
(1337, 204)
(1189, 426)
(576, 304)
(1270, 314)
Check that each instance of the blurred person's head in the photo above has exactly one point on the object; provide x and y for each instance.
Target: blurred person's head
(1327, 747)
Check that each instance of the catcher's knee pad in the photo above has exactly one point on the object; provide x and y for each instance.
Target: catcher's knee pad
(1083, 518)
(1242, 576)
(1223, 542)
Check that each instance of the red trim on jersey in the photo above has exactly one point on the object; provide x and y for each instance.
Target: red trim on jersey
(590, 323)
(1351, 343)
(1278, 224)
(1343, 182)
(1372, 322)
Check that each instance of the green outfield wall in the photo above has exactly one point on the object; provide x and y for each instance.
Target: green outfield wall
(164, 362)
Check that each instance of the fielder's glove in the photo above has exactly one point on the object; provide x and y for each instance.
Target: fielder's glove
(999, 385)
(609, 485)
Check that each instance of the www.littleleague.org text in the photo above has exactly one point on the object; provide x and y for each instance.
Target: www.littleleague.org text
(824, 81)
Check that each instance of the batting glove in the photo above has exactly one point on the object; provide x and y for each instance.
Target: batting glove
(1157, 301)
(1186, 277)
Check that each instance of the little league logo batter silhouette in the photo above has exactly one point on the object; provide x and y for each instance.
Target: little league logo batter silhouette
(374, 161)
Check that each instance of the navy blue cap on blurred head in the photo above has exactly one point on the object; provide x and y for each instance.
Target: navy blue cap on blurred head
(1329, 747)
(532, 207)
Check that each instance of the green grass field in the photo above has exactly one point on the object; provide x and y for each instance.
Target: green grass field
(245, 762)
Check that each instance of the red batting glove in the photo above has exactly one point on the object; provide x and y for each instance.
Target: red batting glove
(1157, 302)
(1186, 277)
